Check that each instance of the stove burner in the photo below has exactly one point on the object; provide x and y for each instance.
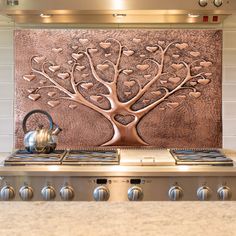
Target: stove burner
(201, 157)
(22, 157)
(94, 157)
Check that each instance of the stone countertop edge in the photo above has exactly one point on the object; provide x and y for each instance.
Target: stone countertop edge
(118, 218)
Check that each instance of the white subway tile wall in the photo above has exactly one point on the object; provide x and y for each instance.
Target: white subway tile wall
(7, 84)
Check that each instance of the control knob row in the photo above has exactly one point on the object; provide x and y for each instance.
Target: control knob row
(101, 193)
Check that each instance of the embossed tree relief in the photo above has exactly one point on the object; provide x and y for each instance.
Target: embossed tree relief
(165, 75)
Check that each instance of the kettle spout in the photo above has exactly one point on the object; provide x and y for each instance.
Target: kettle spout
(57, 131)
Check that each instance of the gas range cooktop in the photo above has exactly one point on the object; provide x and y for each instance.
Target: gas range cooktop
(123, 157)
(119, 175)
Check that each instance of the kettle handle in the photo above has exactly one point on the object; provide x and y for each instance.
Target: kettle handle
(33, 112)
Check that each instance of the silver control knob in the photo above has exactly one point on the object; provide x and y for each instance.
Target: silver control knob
(218, 3)
(224, 193)
(48, 193)
(67, 193)
(101, 193)
(175, 193)
(203, 193)
(203, 3)
(26, 193)
(7, 193)
(135, 194)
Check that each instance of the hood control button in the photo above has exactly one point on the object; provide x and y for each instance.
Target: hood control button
(203, 3)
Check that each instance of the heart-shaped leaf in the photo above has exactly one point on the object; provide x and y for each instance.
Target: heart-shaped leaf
(195, 54)
(177, 66)
(31, 90)
(86, 85)
(54, 68)
(197, 68)
(34, 96)
(146, 101)
(181, 46)
(96, 98)
(172, 104)
(174, 80)
(129, 83)
(102, 67)
(142, 67)
(193, 83)
(136, 40)
(195, 94)
(39, 59)
(63, 75)
(57, 50)
(156, 93)
(203, 81)
(128, 53)
(127, 94)
(77, 56)
(205, 63)
(151, 49)
(147, 76)
(92, 50)
(83, 41)
(29, 77)
(53, 103)
(80, 68)
(175, 56)
(181, 96)
(161, 42)
(84, 75)
(105, 45)
(124, 119)
(51, 94)
(74, 47)
(163, 82)
(43, 81)
(72, 106)
(127, 72)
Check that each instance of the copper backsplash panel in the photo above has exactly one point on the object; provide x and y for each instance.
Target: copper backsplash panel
(113, 87)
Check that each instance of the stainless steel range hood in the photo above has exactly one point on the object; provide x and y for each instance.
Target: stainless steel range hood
(118, 11)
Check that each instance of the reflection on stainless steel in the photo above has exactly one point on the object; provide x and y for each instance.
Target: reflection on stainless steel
(102, 11)
(115, 182)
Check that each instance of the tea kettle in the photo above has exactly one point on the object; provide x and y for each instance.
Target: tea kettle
(40, 140)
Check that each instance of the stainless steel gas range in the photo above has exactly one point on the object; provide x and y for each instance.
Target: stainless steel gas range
(119, 175)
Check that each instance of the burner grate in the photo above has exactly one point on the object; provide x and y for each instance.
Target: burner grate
(201, 157)
(22, 157)
(94, 157)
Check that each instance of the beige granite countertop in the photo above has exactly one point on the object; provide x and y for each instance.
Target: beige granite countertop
(116, 219)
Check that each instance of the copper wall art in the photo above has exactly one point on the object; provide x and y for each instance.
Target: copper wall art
(154, 88)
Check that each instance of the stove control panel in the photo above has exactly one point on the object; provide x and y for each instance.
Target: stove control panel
(153, 188)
